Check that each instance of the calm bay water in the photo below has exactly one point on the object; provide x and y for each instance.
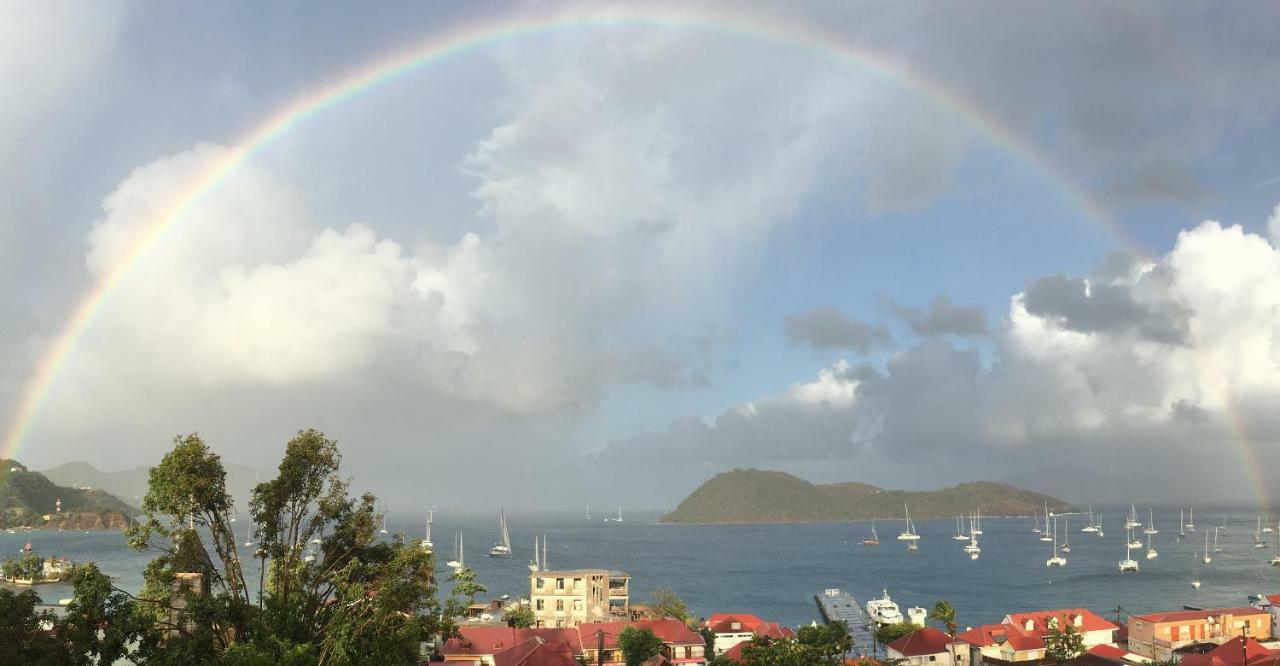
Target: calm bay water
(774, 570)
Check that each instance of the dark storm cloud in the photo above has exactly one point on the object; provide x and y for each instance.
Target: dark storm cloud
(828, 328)
(1077, 305)
(942, 318)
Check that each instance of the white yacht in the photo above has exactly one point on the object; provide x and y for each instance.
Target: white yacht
(1151, 522)
(503, 547)
(1091, 526)
(972, 548)
(248, 537)
(1191, 520)
(534, 564)
(1216, 548)
(1151, 551)
(909, 534)
(1044, 536)
(1066, 534)
(1206, 559)
(457, 561)
(976, 528)
(960, 535)
(427, 545)
(1057, 560)
(884, 611)
(1257, 536)
(1182, 524)
(1132, 521)
(1128, 564)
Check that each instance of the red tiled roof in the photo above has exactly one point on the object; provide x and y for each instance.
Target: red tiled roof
(1089, 621)
(734, 654)
(672, 632)
(747, 619)
(1026, 642)
(993, 634)
(1234, 653)
(1182, 616)
(723, 623)
(536, 652)
(1108, 652)
(495, 639)
(920, 642)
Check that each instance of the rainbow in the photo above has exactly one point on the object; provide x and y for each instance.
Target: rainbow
(467, 37)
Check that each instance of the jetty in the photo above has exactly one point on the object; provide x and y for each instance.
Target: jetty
(837, 605)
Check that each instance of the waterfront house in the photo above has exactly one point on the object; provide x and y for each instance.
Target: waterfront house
(928, 646)
(1093, 628)
(1159, 635)
(1271, 604)
(1239, 651)
(1001, 644)
(731, 629)
(482, 644)
(569, 598)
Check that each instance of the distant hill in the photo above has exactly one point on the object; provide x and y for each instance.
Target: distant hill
(27, 497)
(760, 496)
(132, 482)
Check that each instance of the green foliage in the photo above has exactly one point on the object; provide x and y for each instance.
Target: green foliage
(1063, 644)
(756, 496)
(638, 645)
(892, 632)
(465, 584)
(667, 604)
(28, 566)
(829, 643)
(21, 639)
(520, 617)
(945, 613)
(764, 651)
(25, 497)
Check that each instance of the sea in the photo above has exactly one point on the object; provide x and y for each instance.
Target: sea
(774, 571)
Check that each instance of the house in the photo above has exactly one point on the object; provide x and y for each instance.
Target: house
(1116, 655)
(731, 629)
(680, 644)
(927, 646)
(1093, 629)
(1159, 635)
(482, 645)
(1001, 644)
(1239, 651)
(571, 597)
(1271, 604)
(536, 651)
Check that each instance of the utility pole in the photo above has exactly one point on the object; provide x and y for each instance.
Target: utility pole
(600, 647)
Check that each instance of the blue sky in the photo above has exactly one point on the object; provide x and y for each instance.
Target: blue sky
(563, 249)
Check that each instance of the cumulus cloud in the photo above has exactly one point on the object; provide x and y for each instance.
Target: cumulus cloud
(942, 318)
(1081, 371)
(828, 328)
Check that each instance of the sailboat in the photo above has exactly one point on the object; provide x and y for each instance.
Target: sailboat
(1099, 526)
(588, 511)
(427, 545)
(1128, 564)
(1275, 561)
(1090, 526)
(383, 530)
(976, 528)
(248, 537)
(1035, 529)
(1206, 559)
(1195, 582)
(1132, 521)
(619, 518)
(1044, 536)
(1257, 536)
(1066, 534)
(875, 538)
(1182, 525)
(1191, 520)
(1266, 526)
(1151, 522)
(1216, 549)
(457, 561)
(534, 564)
(960, 535)
(1057, 560)
(503, 547)
(1151, 551)
(908, 534)
(1134, 541)
(972, 547)
(546, 561)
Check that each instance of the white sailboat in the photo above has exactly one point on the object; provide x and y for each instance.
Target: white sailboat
(1216, 548)
(248, 536)
(383, 530)
(503, 547)
(1151, 522)
(908, 534)
(1257, 536)
(1182, 525)
(1275, 561)
(972, 548)
(1206, 559)
(1266, 526)
(1090, 526)
(1128, 564)
(1191, 520)
(1044, 536)
(1195, 582)
(1132, 521)
(1134, 541)
(1151, 551)
(534, 564)
(588, 511)
(457, 561)
(427, 544)
(1056, 560)
(619, 518)
(1035, 527)
(1066, 534)
(960, 535)
(1099, 526)
(976, 528)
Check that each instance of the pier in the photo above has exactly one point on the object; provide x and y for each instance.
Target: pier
(836, 605)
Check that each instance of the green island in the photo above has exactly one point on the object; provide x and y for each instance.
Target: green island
(29, 500)
(762, 496)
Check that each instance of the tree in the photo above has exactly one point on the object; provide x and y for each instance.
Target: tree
(638, 645)
(101, 623)
(829, 643)
(945, 613)
(22, 639)
(667, 604)
(1061, 645)
(765, 651)
(465, 584)
(892, 632)
(520, 617)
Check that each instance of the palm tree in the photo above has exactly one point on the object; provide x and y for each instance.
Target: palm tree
(945, 613)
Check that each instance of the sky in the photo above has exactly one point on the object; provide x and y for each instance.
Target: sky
(602, 260)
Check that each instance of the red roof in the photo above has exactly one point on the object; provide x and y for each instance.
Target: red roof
(1183, 616)
(734, 654)
(724, 623)
(1089, 621)
(672, 632)
(536, 652)
(920, 642)
(1108, 652)
(1235, 652)
(999, 634)
(477, 640)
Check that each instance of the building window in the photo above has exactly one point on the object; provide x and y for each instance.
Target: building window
(540, 583)
(559, 583)
(538, 604)
(577, 604)
(933, 657)
(559, 604)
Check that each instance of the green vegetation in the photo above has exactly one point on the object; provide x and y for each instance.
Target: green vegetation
(361, 600)
(1061, 645)
(813, 646)
(465, 584)
(756, 496)
(27, 497)
(945, 613)
(520, 617)
(667, 604)
(638, 645)
(892, 632)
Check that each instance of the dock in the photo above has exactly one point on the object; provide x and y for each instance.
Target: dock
(837, 605)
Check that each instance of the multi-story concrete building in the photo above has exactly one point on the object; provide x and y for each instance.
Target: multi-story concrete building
(569, 598)
(1157, 635)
